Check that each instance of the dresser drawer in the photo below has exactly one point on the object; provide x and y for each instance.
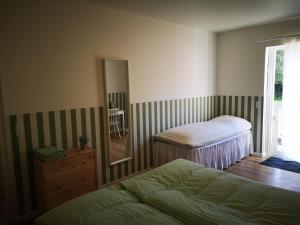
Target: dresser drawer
(58, 181)
(87, 176)
(57, 164)
(67, 168)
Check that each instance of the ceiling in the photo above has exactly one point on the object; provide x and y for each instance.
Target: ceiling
(212, 15)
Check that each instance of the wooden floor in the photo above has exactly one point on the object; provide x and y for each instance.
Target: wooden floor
(118, 147)
(252, 169)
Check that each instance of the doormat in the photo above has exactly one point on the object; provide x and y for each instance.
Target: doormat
(282, 164)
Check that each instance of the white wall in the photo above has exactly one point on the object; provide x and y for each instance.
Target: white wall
(49, 51)
(241, 60)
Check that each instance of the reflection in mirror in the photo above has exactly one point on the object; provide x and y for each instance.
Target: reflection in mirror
(118, 110)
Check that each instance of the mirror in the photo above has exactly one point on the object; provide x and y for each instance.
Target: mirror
(117, 105)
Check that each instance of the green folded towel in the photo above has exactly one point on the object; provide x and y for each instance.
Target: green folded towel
(48, 153)
(59, 155)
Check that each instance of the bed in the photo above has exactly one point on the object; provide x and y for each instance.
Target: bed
(180, 192)
(217, 143)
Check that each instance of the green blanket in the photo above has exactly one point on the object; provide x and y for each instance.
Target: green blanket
(112, 206)
(181, 192)
(49, 153)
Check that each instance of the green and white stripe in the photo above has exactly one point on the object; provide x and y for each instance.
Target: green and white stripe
(62, 129)
(245, 107)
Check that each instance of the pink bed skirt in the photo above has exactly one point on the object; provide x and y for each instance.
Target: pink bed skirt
(219, 155)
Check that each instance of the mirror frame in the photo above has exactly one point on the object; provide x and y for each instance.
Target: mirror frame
(106, 105)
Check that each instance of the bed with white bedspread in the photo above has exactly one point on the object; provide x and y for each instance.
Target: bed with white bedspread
(217, 143)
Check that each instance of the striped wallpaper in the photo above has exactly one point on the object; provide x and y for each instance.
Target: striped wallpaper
(119, 98)
(247, 107)
(62, 128)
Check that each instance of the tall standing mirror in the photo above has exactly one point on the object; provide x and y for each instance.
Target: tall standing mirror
(117, 104)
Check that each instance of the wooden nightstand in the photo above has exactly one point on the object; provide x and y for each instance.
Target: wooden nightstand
(58, 181)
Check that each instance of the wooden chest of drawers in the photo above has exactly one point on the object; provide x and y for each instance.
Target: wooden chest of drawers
(58, 181)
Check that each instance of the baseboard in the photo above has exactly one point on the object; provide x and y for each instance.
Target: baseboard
(258, 154)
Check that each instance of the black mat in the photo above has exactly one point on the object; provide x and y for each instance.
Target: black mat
(278, 162)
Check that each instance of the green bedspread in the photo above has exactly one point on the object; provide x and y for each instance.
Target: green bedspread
(180, 192)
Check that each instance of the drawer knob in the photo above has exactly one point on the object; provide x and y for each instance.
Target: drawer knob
(83, 163)
(73, 166)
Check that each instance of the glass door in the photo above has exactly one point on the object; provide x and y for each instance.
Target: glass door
(272, 130)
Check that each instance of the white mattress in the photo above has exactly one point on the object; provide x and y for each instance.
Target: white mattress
(204, 133)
